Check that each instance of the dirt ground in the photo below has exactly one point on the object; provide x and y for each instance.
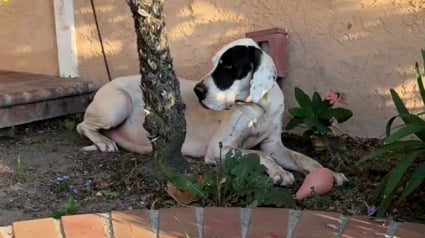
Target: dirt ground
(34, 156)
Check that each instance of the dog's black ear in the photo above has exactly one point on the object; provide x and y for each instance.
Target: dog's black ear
(255, 56)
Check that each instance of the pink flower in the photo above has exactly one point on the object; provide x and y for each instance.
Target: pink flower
(332, 97)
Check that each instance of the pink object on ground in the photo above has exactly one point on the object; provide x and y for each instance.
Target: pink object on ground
(322, 181)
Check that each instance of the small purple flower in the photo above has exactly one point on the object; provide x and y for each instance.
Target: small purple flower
(371, 210)
(73, 189)
(62, 179)
(88, 185)
(59, 180)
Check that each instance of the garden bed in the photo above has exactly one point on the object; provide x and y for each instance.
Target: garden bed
(32, 160)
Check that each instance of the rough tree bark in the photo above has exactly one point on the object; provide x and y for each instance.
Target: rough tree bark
(165, 119)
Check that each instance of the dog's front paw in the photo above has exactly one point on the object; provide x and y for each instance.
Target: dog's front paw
(107, 146)
(340, 178)
(104, 145)
(281, 177)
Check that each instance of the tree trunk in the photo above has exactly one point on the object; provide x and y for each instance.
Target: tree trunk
(164, 107)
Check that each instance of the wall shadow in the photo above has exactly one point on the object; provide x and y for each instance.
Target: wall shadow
(362, 48)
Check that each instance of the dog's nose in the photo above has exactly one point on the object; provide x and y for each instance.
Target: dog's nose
(200, 91)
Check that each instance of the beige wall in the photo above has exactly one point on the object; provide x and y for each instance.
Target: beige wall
(27, 37)
(360, 47)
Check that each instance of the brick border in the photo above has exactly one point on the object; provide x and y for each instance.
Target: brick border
(207, 222)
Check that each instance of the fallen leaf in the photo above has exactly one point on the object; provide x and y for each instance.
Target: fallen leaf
(201, 180)
(182, 198)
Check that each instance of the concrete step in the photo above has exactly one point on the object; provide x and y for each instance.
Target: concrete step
(26, 97)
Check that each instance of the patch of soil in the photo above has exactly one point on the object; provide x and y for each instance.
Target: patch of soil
(37, 154)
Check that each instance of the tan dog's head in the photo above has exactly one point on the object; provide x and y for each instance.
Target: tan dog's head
(241, 71)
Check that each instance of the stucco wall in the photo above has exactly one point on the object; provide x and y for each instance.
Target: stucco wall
(27, 37)
(359, 47)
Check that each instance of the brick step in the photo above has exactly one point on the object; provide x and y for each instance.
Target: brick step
(26, 97)
(229, 222)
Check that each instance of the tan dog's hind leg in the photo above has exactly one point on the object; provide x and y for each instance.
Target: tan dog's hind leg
(109, 108)
(293, 160)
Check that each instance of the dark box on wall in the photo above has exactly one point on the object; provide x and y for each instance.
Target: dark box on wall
(276, 43)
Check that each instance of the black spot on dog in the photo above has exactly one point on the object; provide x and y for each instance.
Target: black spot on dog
(235, 64)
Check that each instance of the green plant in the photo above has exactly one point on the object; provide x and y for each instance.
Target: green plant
(69, 209)
(68, 124)
(240, 181)
(20, 171)
(408, 150)
(317, 202)
(315, 114)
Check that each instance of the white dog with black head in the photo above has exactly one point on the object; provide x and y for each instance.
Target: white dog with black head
(238, 103)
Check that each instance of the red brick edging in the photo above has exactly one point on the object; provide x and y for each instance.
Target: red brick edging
(211, 222)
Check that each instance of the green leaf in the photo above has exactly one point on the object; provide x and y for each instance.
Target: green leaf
(385, 203)
(210, 179)
(298, 112)
(416, 179)
(407, 130)
(169, 172)
(317, 100)
(182, 182)
(320, 106)
(310, 122)
(398, 103)
(341, 114)
(397, 173)
(392, 148)
(253, 204)
(304, 101)
(420, 83)
(185, 183)
(404, 113)
(231, 161)
(322, 129)
(71, 206)
(379, 190)
(323, 107)
(295, 121)
(249, 164)
(389, 125)
(278, 198)
(58, 214)
(410, 118)
(394, 178)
